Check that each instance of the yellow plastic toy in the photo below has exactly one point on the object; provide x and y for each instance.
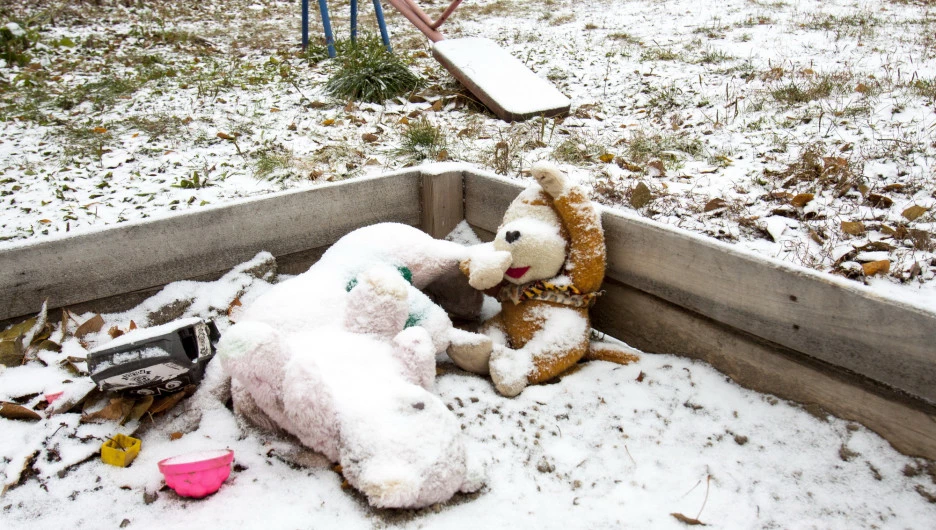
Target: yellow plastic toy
(120, 450)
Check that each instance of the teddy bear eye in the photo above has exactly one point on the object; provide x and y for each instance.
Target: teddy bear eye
(512, 236)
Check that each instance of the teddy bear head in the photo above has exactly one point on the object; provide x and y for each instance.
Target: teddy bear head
(533, 233)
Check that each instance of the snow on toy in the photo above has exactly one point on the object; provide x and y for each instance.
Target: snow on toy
(198, 474)
(343, 357)
(555, 239)
(154, 361)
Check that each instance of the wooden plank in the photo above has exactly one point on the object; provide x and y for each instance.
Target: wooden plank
(831, 319)
(487, 198)
(654, 325)
(503, 83)
(136, 256)
(442, 201)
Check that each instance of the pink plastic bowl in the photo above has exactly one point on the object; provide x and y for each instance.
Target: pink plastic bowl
(197, 474)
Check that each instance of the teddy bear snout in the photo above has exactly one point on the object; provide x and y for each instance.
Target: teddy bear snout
(512, 236)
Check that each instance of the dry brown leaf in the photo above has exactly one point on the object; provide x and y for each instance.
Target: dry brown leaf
(715, 204)
(624, 164)
(607, 158)
(175, 436)
(328, 122)
(92, 325)
(99, 130)
(116, 410)
(657, 165)
(876, 267)
(225, 136)
(132, 326)
(12, 411)
(167, 402)
(442, 156)
(234, 304)
(862, 88)
(139, 409)
(687, 520)
(880, 201)
(274, 109)
(853, 228)
(370, 137)
(913, 212)
(802, 199)
(641, 196)
(115, 332)
(437, 106)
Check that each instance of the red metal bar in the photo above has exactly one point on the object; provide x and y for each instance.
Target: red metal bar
(404, 7)
(445, 14)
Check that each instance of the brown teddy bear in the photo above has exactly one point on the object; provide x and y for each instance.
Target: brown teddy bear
(554, 237)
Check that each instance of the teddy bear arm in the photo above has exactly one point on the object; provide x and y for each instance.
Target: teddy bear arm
(587, 257)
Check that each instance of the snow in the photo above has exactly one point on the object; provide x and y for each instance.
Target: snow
(500, 76)
(606, 446)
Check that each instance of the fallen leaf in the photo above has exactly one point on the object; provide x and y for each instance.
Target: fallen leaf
(318, 105)
(138, 410)
(11, 352)
(92, 325)
(116, 410)
(175, 436)
(167, 402)
(350, 106)
(659, 170)
(132, 326)
(853, 228)
(641, 376)
(876, 267)
(274, 109)
(715, 204)
(442, 156)
(225, 136)
(44, 221)
(404, 121)
(12, 411)
(894, 187)
(437, 106)
(292, 127)
(624, 164)
(328, 122)
(913, 212)
(115, 332)
(370, 137)
(880, 201)
(802, 199)
(687, 520)
(607, 158)
(862, 88)
(100, 130)
(641, 196)
(816, 237)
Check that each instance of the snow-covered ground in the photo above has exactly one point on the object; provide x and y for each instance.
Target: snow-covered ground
(801, 129)
(608, 446)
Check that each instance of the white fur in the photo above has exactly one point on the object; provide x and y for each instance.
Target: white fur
(325, 357)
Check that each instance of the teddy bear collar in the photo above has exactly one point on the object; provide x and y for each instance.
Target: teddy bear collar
(550, 292)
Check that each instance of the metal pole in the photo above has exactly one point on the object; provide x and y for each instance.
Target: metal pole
(382, 25)
(329, 37)
(305, 24)
(353, 20)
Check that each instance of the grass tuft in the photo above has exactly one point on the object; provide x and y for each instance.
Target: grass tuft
(422, 141)
(368, 72)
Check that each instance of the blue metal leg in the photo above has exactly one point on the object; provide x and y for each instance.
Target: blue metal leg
(305, 24)
(329, 37)
(353, 20)
(383, 26)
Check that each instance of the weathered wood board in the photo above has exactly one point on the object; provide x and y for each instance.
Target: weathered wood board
(827, 318)
(137, 256)
(501, 81)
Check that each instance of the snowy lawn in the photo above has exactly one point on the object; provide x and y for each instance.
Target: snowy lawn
(803, 130)
(607, 446)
